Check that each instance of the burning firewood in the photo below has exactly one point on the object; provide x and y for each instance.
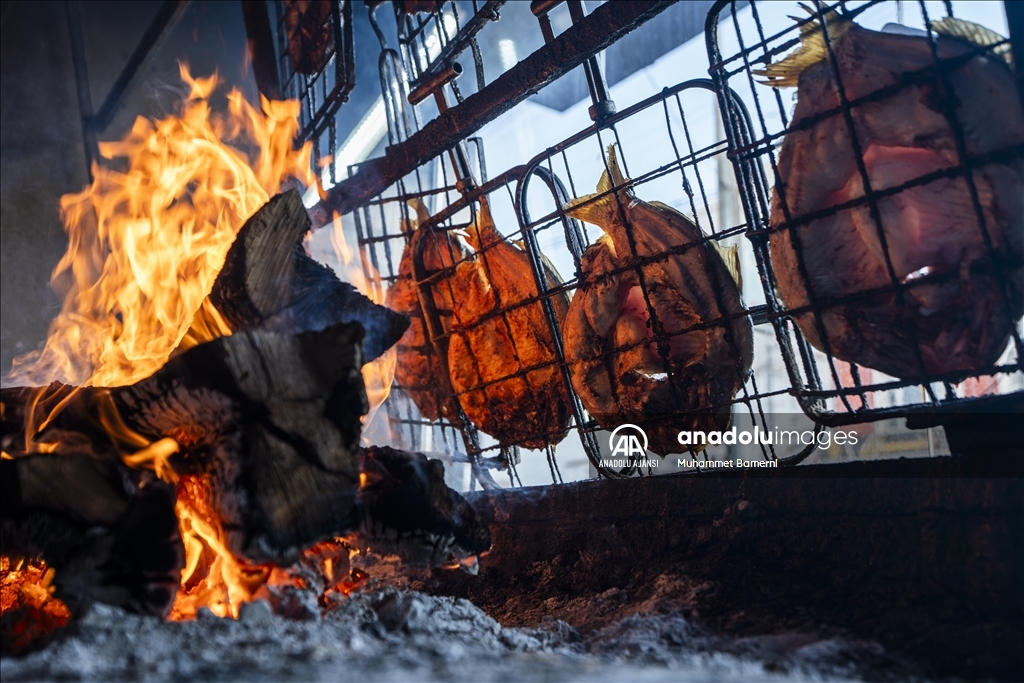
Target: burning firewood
(269, 422)
(269, 282)
(109, 531)
(260, 431)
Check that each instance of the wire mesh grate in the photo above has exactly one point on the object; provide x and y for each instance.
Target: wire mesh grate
(316, 66)
(834, 384)
(527, 206)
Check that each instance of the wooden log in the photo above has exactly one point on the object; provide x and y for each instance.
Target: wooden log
(268, 282)
(408, 510)
(272, 420)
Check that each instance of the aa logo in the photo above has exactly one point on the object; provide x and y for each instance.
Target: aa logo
(628, 441)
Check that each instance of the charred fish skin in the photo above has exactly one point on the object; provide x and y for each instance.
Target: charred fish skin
(418, 369)
(628, 368)
(502, 357)
(961, 322)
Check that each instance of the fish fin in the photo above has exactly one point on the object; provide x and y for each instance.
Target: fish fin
(731, 258)
(422, 214)
(591, 208)
(594, 208)
(975, 34)
(786, 73)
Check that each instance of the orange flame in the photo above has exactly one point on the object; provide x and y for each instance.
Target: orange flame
(147, 242)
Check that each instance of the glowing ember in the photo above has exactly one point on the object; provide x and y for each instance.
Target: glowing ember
(27, 603)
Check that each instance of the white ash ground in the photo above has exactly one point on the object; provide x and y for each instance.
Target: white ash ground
(401, 635)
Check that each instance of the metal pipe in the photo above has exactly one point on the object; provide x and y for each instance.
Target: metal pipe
(74, 17)
(166, 17)
(434, 82)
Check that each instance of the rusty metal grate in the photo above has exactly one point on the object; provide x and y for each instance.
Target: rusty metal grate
(527, 203)
(314, 48)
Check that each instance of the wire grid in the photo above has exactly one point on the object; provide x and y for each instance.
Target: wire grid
(828, 389)
(526, 203)
(428, 42)
(322, 89)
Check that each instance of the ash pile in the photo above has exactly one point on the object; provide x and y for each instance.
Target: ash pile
(398, 634)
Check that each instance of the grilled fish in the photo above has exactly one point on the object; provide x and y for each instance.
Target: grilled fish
(418, 369)
(952, 309)
(657, 373)
(503, 365)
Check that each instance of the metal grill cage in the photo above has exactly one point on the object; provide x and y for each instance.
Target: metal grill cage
(526, 202)
(830, 390)
(316, 66)
(723, 181)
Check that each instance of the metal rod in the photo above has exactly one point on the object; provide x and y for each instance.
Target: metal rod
(74, 18)
(261, 49)
(166, 17)
(432, 83)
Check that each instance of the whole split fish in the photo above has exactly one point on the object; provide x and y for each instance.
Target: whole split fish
(952, 308)
(678, 368)
(502, 357)
(418, 369)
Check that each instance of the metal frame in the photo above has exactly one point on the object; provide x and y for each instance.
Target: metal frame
(584, 39)
(382, 247)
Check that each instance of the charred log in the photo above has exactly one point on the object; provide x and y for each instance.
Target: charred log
(408, 510)
(268, 282)
(110, 534)
(271, 420)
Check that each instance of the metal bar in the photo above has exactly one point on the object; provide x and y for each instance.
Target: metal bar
(261, 48)
(165, 19)
(608, 23)
(74, 16)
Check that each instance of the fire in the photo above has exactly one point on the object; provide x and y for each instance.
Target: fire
(147, 239)
(378, 374)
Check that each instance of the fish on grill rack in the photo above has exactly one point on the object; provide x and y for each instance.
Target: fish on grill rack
(502, 357)
(681, 367)
(418, 369)
(831, 260)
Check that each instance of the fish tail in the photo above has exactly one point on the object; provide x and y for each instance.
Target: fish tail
(598, 208)
(786, 73)
(483, 231)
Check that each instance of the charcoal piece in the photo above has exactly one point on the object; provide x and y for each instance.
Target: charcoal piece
(407, 509)
(269, 282)
(109, 533)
